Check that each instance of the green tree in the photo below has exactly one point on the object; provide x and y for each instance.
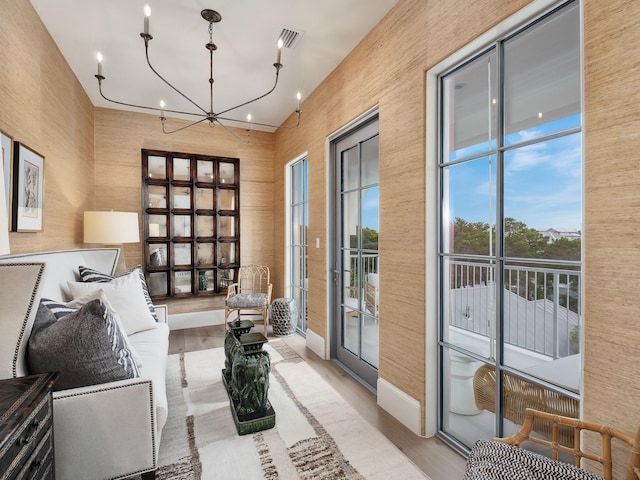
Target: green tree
(369, 239)
(522, 241)
(564, 249)
(470, 237)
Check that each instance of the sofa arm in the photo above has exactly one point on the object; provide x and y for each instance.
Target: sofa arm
(105, 431)
(162, 312)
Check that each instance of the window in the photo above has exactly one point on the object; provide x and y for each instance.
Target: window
(299, 221)
(510, 228)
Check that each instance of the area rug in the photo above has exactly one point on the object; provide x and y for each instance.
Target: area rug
(317, 434)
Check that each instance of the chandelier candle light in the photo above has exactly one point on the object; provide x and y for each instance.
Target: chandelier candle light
(211, 16)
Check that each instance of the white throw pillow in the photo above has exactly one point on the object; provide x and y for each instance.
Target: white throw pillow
(126, 296)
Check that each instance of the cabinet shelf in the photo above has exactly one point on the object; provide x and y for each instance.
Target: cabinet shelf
(191, 223)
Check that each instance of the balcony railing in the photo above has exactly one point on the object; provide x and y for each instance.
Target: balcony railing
(541, 306)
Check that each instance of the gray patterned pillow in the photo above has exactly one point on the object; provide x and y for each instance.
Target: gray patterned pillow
(87, 347)
(90, 275)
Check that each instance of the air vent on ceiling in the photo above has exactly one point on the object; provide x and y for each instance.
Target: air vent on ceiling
(290, 37)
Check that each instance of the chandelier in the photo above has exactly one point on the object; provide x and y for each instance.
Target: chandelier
(202, 114)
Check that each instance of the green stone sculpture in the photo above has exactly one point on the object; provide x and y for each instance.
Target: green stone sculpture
(250, 382)
(246, 378)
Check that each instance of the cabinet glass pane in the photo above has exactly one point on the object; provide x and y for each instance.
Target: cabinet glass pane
(204, 198)
(157, 167)
(205, 280)
(205, 253)
(227, 253)
(182, 282)
(157, 255)
(205, 226)
(157, 197)
(182, 254)
(182, 197)
(157, 225)
(225, 278)
(181, 225)
(226, 227)
(181, 169)
(158, 283)
(226, 199)
(204, 169)
(227, 173)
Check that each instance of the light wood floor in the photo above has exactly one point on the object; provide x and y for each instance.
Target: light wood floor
(435, 458)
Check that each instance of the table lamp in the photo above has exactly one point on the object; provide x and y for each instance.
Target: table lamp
(113, 229)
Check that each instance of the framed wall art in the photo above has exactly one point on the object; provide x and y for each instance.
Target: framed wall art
(7, 154)
(28, 189)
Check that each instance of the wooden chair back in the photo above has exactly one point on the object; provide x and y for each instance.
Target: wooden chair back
(559, 423)
(254, 279)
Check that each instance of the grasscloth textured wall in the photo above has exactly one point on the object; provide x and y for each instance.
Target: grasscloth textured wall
(612, 219)
(43, 105)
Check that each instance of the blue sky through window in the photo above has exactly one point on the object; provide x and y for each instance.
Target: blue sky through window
(542, 181)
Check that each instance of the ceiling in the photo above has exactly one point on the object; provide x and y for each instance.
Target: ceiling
(246, 38)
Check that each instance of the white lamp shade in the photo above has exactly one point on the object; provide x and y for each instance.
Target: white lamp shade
(111, 228)
(4, 220)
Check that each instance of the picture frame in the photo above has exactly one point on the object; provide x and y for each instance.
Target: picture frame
(6, 142)
(27, 206)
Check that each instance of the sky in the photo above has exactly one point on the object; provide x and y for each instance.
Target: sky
(542, 181)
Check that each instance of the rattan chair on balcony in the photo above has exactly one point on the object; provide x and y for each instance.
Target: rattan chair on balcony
(520, 394)
(250, 296)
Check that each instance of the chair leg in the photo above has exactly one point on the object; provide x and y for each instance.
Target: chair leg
(265, 319)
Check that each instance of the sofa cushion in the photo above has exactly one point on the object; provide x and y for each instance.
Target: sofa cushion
(126, 295)
(153, 346)
(90, 275)
(87, 347)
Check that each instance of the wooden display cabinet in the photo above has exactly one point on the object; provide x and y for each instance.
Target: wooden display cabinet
(191, 223)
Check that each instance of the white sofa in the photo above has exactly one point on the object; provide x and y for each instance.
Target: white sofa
(106, 431)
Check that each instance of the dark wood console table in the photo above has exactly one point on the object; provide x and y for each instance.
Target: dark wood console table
(26, 427)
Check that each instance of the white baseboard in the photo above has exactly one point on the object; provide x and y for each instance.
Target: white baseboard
(401, 406)
(316, 344)
(179, 321)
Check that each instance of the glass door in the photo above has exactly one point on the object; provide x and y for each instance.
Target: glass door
(356, 245)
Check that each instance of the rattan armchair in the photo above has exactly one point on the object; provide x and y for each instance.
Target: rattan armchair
(558, 423)
(250, 295)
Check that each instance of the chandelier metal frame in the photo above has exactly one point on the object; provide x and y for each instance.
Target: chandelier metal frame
(211, 16)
